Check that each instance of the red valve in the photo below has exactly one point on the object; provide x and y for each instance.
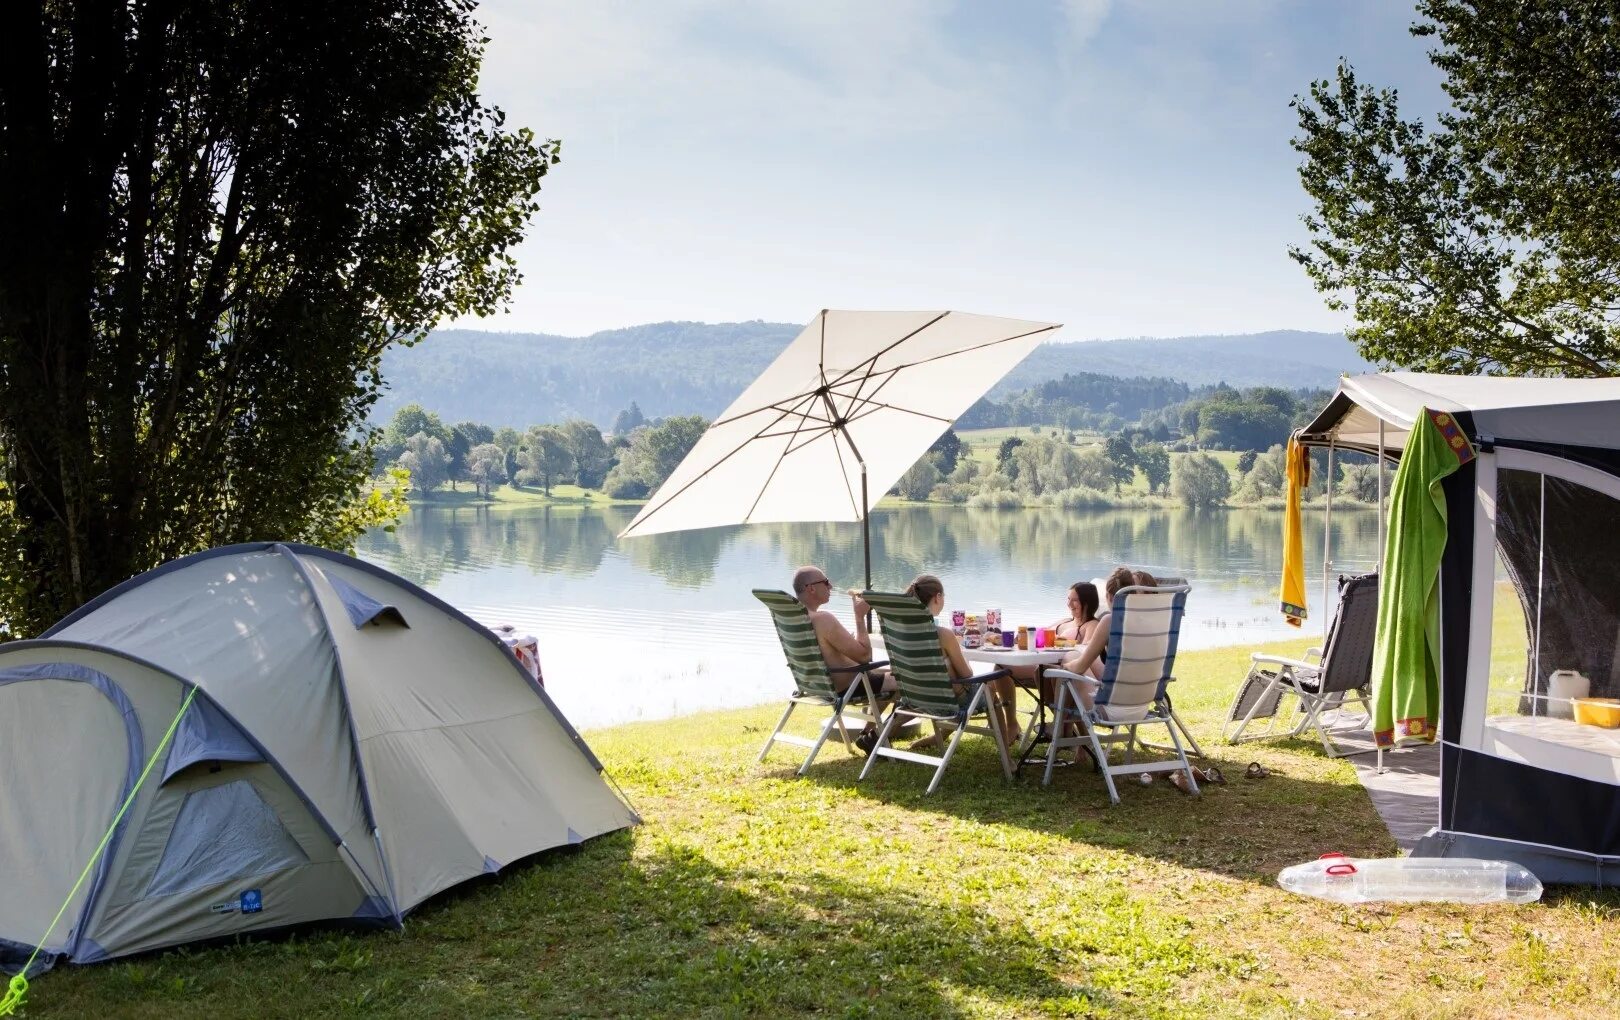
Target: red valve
(1346, 868)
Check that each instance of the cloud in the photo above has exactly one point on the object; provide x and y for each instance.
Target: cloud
(1085, 19)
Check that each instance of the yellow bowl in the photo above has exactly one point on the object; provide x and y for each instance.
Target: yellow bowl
(1598, 711)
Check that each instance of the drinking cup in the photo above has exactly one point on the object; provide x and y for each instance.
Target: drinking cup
(1008, 638)
(1041, 634)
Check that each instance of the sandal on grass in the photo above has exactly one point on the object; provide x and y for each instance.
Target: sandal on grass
(1210, 774)
(1257, 771)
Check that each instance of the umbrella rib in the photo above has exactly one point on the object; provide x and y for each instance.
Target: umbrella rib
(785, 405)
(702, 474)
(970, 350)
(843, 472)
(786, 449)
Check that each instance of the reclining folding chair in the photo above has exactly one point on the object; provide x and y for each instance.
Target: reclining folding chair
(1341, 675)
(1143, 628)
(859, 702)
(911, 640)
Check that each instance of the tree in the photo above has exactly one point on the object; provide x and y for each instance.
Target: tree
(653, 454)
(945, 451)
(425, 459)
(1245, 462)
(1154, 460)
(1200, 482)
(486, 467)
(214, 219)
(592, 458)
(919, 480)
(1004, 456)
(628, 420)
(544, 456)
(1121, 459)
(1482, 244)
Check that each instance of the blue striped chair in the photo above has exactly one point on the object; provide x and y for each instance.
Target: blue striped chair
(911, 641)
(815, 683)
(1143, 628)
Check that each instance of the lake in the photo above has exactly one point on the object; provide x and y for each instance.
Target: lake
(664, 625)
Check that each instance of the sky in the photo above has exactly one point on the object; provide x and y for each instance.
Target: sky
(1120, 167)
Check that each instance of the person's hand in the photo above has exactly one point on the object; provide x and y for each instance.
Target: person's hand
(861, 608)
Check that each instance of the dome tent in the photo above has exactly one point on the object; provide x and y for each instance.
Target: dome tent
(1519, 779)
(352, 747)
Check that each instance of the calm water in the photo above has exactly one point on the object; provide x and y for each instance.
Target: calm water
(663, 625)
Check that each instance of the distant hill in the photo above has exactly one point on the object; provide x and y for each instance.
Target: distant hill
(698, 368)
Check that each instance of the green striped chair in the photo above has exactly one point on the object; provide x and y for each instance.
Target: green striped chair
(856, 707)
(911, 641)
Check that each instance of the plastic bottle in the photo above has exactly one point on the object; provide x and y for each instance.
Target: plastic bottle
(1412, 879)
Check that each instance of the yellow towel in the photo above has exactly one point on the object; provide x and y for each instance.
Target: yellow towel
(1298, 469)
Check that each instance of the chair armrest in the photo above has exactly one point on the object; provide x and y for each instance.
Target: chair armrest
(1312, 667)
(1063, 674)
(862, 668)
(1313, 652)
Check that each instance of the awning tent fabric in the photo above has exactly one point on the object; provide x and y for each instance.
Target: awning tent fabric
(331, 766)
(1520, 780)
(1525, 410)
(837, 418)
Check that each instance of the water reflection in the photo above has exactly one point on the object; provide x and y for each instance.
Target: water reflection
(560, 573)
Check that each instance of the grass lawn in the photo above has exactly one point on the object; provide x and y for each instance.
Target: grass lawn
(750, 892)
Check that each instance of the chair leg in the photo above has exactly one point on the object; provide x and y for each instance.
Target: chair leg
(826, 731)
(1000, 736)
(1058, 724)
(882, 742)
(780, 723)
(1192, 778)
(1102, 759)
(956, 738)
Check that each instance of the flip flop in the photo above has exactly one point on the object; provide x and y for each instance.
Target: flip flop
(1211, 774)
(1257, 771)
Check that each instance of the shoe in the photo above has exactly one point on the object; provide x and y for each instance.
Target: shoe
(866, 742)
(1257, 771)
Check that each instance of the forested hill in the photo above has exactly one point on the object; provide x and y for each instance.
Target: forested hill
(697, 368)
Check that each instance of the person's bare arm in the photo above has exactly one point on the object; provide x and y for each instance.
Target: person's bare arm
(1088, 653)
(856, 647)
(951, 645)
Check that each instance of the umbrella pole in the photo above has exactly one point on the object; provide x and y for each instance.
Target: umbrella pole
(866, 529)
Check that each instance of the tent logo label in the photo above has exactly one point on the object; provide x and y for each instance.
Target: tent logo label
(252, 902)
(224, 908)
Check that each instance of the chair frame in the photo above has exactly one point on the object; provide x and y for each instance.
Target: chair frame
(1298, 677)
(1070, 708)
(857, 706)
(971, 705)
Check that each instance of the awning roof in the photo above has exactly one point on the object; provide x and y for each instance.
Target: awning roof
(1575, 412)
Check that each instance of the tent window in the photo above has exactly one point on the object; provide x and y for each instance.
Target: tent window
(362, 608)
(223, 833)
(1559, 548)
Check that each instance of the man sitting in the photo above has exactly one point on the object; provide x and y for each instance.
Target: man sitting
(839, 647)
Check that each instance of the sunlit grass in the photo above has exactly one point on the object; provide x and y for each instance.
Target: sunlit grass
(750, 892)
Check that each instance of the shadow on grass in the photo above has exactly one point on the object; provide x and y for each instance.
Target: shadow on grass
(1247, 829)
(612, 932)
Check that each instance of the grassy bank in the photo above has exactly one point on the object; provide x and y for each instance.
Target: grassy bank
(750, 892)
(509, 496)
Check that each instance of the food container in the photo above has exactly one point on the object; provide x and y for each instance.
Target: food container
(958, 621)
(1563, 687)
(1598, 712)
(972, 631)
(992, 619)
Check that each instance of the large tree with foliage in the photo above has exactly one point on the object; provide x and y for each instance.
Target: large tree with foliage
(215, 215)
(1487, 242)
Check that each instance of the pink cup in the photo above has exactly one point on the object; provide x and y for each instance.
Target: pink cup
(1041, 637)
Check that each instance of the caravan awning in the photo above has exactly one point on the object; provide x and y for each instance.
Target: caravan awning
(1574, 412)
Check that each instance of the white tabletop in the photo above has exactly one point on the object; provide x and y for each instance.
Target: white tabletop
(1017, 656)
(1001, 656)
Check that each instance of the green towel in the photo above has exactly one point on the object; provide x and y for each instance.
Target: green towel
(1406, 663)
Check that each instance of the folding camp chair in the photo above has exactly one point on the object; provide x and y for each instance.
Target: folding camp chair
(1143, 628)
(927, 691)
(857, 706)
(1340, 676)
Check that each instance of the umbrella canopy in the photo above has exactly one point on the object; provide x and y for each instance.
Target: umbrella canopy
(837, 418)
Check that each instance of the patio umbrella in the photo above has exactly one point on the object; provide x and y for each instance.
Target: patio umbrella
(837, 418)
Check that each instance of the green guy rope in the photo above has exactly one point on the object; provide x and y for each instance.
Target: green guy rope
(18, 986)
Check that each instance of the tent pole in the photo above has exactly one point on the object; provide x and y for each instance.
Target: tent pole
(1380, 561)
(1327, 541)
